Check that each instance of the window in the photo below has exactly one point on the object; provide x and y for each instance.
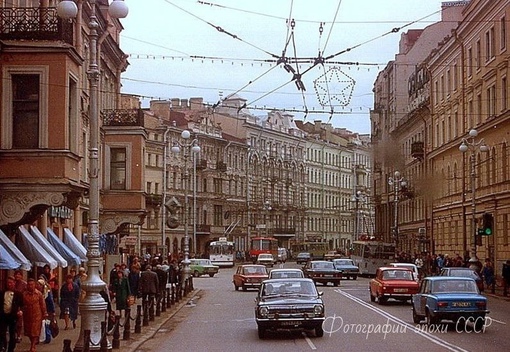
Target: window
(478, 55)
(502, 33)
(491, 101)
(217, 185)
(118, 168)
(504, 92)
(25, 111)
(490, 45)
(218, 215)
(470, 62)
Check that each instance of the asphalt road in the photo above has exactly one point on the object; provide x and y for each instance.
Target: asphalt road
(222, 319)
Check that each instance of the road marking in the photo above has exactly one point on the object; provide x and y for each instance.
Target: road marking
(498, 321)
(427, 335)
(310, 343)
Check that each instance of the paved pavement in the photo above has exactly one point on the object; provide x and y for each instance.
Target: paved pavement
(130, 345)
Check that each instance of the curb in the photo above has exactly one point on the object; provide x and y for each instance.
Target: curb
(133, 346)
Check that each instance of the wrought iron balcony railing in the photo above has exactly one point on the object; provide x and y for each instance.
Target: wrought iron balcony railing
(122, 117)
(34, 23)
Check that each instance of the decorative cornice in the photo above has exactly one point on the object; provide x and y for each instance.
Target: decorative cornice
(14, 205)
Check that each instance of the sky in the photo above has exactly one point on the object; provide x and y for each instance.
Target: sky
(316, 59)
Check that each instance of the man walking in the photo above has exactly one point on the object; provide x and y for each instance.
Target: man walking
(11, 303)
(148, 287)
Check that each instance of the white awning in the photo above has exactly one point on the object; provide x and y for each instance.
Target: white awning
(33, 250)
(7, 262)
(15, 252)
(66, 252)
(39, 237)
(72, 242)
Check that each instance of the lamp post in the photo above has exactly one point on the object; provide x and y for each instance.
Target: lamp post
(471, 144)
(357, 197)
(165, 187)
(93, 307)
(398, 183)
(188, 148)
(267, 209)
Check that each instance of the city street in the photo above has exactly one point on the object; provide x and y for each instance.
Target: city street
(221, 319)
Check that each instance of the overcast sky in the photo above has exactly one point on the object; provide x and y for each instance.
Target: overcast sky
(210, 49)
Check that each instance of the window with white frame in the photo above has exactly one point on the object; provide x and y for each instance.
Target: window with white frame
(117, 168)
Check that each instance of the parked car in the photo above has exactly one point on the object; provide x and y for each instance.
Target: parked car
(282, 255)
(249, 276)
(458, 271)
(203, 267)
(392, 282)
(449, 298)
(330, 255)
(289, 304)
(303, 257)
(286, 273)
(347, 267)
(409, 266)
(322, 271)
(266, 259)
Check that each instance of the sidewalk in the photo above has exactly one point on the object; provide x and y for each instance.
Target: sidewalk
(130, 345)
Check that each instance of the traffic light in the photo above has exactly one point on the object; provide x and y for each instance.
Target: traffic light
(488, 222)
(172, 219)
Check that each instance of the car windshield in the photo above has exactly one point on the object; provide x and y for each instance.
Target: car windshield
(265, 256)
(201, 262)
(301, 288)
(454, 286)
(254, 270)
(343, 262)
(323, 265)
(397, 275)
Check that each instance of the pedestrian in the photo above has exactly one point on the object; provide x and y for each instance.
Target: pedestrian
(121, 291)
(134, 280)
(79, 279)
(45, 289)
(148, 287)
(20, 286)
(506, 277)
(34, 311)
(488, 275)
(69, 297)
(11, 305)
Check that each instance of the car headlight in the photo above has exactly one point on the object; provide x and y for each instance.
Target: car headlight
(263, 311)
(318, 309)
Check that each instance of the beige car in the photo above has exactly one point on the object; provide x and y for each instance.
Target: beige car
(266, 259)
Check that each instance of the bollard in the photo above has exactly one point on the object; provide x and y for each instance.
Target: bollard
(158, 306)
(151, 308)
(163, 301)
(103, 344)
(86, 340)
(127, 325)
(138, 319)
(67, 346)
(168, 294)
(145, 313)
(172, 300)
(116, 333)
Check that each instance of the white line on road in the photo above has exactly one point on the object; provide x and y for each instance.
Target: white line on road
(414, 329)
(310, 343)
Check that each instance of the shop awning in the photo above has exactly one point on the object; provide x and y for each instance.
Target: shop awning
(72, 242)
(14, 252)
(7, 262)
(33, 250)
(66, 252)
(39, 237)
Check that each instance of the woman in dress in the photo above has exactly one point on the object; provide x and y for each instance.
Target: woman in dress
(121, 291)
(69, 296)
(34, 311)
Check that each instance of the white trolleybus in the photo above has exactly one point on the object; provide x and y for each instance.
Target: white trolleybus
(222, 253)
(370, 255)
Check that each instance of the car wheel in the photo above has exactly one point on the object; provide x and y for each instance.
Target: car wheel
(211, 274)
(196, 273)
(416, 317)
(335, 283)
(430, 319)
(245, 288)
(354, 277)
(319, 331)
(262, 332)
(382, 300)
(236, 287)
(372, 298)
(479, 324)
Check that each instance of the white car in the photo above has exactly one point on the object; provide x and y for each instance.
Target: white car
(409, 266)
(266, 259)
(286, 274)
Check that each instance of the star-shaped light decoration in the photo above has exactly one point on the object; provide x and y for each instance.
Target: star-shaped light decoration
(334, 86)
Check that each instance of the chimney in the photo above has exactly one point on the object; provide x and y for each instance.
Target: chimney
(196, 103)
(175, 103)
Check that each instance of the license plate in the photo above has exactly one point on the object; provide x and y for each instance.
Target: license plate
(400, 290)
(461, 304)
(290, 323)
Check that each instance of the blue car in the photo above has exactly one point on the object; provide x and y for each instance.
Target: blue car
(449, 298)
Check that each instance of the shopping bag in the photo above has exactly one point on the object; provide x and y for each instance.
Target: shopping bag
(45, 336)
(54, 328)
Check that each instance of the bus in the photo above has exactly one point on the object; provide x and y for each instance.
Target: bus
(370, 255)
(263, 245)
(221, 252)
(316, 249)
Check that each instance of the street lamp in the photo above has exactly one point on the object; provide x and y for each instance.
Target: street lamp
(471, 144)
(357, 197)
(188, 148)
(93, 307)
(398, 184)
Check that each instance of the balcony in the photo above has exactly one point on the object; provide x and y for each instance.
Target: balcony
(122, 117)
(417, 150)
(202, 164)
(203, 229)
(26, 23)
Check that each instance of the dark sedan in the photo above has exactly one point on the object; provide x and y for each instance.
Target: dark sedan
(322, 271)
(463, 272)
(289, 304)
(347, 267)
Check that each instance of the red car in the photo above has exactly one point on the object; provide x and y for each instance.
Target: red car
(393, 282)
(249, 276)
